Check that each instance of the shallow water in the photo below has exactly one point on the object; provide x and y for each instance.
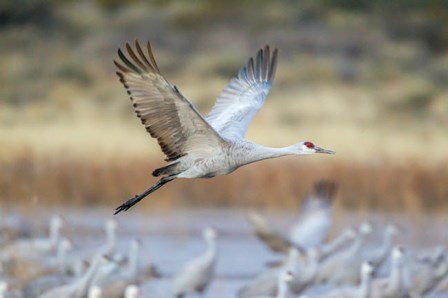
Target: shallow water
(171, 238)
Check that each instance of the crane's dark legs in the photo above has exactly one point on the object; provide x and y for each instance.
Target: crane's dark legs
(129, 203)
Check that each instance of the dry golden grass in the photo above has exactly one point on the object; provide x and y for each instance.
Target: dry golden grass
(58, 179)
(94, 154)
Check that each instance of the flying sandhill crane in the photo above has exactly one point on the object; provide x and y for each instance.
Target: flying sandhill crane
(197, 147)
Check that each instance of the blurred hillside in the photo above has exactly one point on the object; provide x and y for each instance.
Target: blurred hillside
(368, 79)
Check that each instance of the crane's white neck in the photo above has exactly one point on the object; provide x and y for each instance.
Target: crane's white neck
(312, 267)
(55, 228)
(110, 240)
(61, 257)
(211, 250)
(82, 283)
(283, 290)
(337, 243)
(293, 262)
(251, 152)
(133, 261)
(396, 274)
(283, 287)
(357, 244)
(364, 288)
(386, 246)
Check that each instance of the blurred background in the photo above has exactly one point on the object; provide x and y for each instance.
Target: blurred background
(368, 79)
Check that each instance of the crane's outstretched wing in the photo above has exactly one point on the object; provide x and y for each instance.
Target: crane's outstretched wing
(321, 197)
(273, 239)
(166, 114)
(315, 216)
(244, 95)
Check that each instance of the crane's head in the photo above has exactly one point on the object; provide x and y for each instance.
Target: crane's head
(392, 230)
(209, 233)
(65, 244)
(397, 254)
(365, 228)
(110, 225)
(136, 243)
(349, 233)
(56, 222)
(287, 276)
(95, 291)
(308, 147)
(313, 254)
(366, 269)
(132, 291)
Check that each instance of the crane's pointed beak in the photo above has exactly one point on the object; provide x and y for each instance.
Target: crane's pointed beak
(322, 150)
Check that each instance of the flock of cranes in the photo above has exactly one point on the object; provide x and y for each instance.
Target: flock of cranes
(50, 267)
(349, 266)
(352, 265)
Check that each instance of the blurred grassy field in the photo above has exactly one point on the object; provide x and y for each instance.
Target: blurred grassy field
(350, 78)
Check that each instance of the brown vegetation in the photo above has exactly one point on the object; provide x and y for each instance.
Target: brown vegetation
(278, 184)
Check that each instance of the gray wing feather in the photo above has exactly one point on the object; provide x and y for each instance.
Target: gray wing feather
(166, 114)
(267, 234)
(241, 99)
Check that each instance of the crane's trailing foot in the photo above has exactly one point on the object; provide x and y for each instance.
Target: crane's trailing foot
(131, 202)
(128, 204)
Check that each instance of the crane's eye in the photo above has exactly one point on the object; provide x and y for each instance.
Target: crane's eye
(309, 145)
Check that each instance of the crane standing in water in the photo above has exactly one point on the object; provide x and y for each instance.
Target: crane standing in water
(197, 147)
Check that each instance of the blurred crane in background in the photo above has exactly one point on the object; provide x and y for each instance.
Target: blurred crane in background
(197, 274)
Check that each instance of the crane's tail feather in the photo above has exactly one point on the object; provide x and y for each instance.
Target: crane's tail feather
(131, 202)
